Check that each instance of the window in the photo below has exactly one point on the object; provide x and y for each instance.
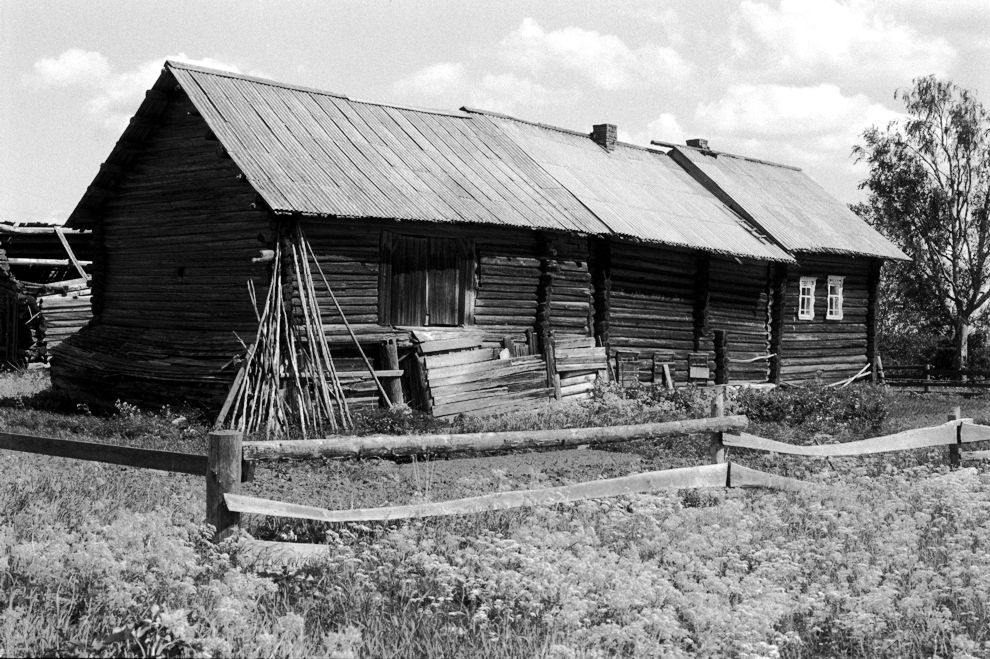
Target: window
(806, 299)
(834, 311)
(426, 281)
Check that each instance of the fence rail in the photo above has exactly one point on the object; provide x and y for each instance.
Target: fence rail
(183, 463)
(927, 376)
(229, 459)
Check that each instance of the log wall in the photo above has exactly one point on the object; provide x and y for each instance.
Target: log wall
(176, 239)
(738, 302)
(651, 305)
(836, 348)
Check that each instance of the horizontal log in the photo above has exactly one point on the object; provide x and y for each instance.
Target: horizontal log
(183, 463)
(941, 435)
(16, 260)
(399, 446)
(684, 477)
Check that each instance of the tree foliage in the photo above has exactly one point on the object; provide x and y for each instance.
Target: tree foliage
(929, 191)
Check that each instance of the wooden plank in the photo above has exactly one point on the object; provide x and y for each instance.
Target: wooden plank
(60, 232)
(183, 463)
(685, 477)
(406, 445)
(941, 435)
(446, 345)
(974, 455)
(740, 476)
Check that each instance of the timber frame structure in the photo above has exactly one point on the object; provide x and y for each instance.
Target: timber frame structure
(481, 261)
(44, 294)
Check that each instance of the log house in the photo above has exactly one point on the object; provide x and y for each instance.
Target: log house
(495, 253)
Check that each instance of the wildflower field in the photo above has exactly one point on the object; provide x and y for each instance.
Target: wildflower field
(891, 559)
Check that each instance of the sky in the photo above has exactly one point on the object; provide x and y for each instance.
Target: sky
(792, 81)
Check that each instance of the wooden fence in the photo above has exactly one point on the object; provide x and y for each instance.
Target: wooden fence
(928, 377)
(954, 434)
(229, 462)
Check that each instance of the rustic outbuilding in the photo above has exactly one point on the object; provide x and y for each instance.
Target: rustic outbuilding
(44, 289)
(481, 261)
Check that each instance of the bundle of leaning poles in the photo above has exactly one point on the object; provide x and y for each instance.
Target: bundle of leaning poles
(287, 380)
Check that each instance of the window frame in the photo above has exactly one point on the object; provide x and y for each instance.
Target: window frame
(809, 284)
(835, 312)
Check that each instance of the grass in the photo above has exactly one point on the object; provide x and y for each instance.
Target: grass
(893, 559)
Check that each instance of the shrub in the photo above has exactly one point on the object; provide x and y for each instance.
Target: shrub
(817, 409)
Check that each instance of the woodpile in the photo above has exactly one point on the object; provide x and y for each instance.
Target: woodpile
(580, 364)
(464, 377)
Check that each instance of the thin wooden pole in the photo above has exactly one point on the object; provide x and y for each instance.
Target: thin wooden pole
(350, 330)
(955, 458)
(223, 476)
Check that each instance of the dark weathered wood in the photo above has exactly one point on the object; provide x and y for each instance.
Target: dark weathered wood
(954, 457)
(702, 301)
(721, 357)
(223, 476)
(390, 360)
(400, 446)
(183, 463)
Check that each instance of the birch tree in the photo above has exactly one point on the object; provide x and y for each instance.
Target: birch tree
(929, 191)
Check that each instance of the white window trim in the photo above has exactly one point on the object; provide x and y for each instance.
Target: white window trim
(806, 283)
(834, 311)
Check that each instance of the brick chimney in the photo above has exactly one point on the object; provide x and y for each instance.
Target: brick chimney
(698, 143)
(604, 135)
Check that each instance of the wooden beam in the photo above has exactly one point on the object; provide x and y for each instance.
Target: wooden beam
(72, 255)
(406, 445)
(702, 301)
(941, 435)
(183, 463)
(685, 477)
(46, 262)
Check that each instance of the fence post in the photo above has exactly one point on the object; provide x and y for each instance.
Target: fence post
(717, 449)
(223, 474)
(390, 358)
(928, 376)
(954, 456)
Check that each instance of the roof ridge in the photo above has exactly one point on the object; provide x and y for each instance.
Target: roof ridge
(559, 129)
(172, 64)
(707, 151)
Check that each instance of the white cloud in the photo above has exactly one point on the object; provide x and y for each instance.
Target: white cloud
(73, 67)
(605, 59)
(781, 111)
(112, 97)
(451, 85)
(813, 127)
(813, 39)
(666, 127)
